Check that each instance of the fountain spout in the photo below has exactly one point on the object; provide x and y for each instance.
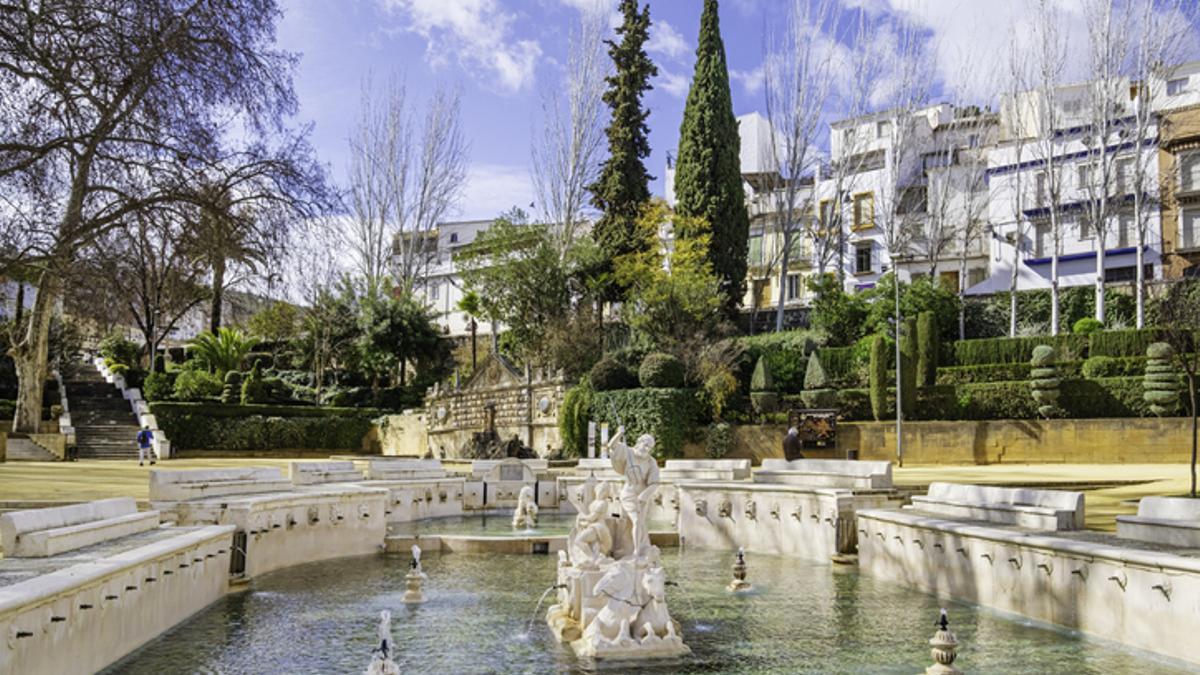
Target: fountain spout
(381, 656)
(412, 580)
(739, 583)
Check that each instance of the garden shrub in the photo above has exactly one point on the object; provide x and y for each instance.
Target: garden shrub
(817, 392)
(928, 342)
(159, 386)
(255, 388)
(855, 404)
(786, 353)
(667, 414)
(573, 419)
(1086, 326)
(347, 397)
(840, 364)
(718, 440)
(1161, 381)
(262, 360)
(8, 409)
(610, 375)
(196, 385)
(908, 368)
(221, 427)
(762, 389)
(116, 348)
(996, 401)
(1044, 381)
(232, 391)
(1132, 342)
(1017, 350)
(661, 370)
(118, 368)
(878, 377)
(387, 398)
(937, 402)
(1104, 397)
(1112, 366)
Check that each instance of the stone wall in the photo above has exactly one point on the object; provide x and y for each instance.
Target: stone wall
(524, 405)
(1132, 440)
(405, 435)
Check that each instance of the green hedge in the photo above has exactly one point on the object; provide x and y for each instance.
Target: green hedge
(1132, 342)
(1017, 350)
(1113, 366)
(786, 356)
(669, 415)
(212, 426)
(841, 364)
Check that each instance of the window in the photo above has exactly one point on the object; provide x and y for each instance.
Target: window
(453, 237)
(1189, 172)
(1040, 189)
(883, 129)
(1125, 230)
(976, 276)
(1086, 171)
(826, 216)
(1043, 240)
(1117, 275)
(797, 251)
(755, 254)
(1124, 170)
(864, 211)
(434, 290)
(1177, 86)
(1086, 231)
(862, 258)
(1072, 108)
(1189, 230)
(793, 286)
(973, 141)
(847, 136)
(949, 280)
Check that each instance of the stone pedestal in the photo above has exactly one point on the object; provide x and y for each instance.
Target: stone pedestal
(739, 583)
(412, 587)
(944, 650)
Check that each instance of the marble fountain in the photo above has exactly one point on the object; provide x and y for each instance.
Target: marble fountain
(695, 566)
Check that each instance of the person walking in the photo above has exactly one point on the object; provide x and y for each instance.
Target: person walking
(145, 438)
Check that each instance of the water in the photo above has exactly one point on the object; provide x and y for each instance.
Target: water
(499, 525)
(804, 618)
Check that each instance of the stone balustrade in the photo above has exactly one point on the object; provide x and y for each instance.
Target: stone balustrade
(81, 617)
(1174, 521)
(678, 470)
(315, 473)
(167, 487)
(37, 533)
(405, 469)
(1036, 509)
(828, 473)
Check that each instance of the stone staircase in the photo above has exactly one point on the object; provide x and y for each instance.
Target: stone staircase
(105, 426)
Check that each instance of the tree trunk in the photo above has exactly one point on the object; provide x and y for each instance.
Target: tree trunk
(20, 308)
(962, 294)
(403, 370)
(783, 270)
(1100, 277)
(218, 293)
(1140, 287)
(474, 328)
(31, 356)
(1054, 300)
(1192, 396)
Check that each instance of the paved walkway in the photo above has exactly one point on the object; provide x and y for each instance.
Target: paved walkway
(1110, 489)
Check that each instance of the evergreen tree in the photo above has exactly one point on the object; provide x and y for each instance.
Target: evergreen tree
(623, 187)
(708, 181)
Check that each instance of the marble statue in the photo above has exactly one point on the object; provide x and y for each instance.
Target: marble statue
(611, 584)
(640, 470)
(381, 658)
(526, 514)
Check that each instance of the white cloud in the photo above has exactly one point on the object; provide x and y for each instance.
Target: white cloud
(494, 188)
(751, 80)
(665, 40)
(673, 83)
(477, 33)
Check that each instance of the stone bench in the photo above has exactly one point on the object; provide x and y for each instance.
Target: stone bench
(1037, 509)
(405, 469)
(313, 473)
(39, 533)
(677, 470)
(830, 473)
(1163, 520)
(597, 466)
(176, 486)
(480, 467)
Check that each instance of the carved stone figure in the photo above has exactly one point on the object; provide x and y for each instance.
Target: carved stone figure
(640, 470)
(526, 515)
(654, 621)
(612, 624)
(591, 540)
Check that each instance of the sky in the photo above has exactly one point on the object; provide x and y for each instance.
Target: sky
(502, 54)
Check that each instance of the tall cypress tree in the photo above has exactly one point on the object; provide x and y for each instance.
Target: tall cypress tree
(623, 187)
(708, 179)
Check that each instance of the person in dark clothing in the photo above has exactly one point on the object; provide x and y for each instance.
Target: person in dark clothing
(792, 447)
(145, 439)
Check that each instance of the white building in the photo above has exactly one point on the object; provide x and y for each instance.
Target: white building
(442, 286)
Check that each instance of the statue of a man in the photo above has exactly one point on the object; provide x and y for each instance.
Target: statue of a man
(640, 470)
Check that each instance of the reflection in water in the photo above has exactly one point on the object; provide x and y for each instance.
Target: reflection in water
(805, 618)
(499, 525)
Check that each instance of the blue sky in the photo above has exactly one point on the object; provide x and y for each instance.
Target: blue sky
(501, 52)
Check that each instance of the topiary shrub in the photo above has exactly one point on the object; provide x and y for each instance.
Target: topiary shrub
(718, 440)
(762, 395)
(670, 415)
(254, 388)
(908, 367)
(232, 391)
(1086, 326)
(661, 371)
(196, 385)
(817, 392)
(158, 386)
(609, 375)
(927, 349)
(1044, 381)
(573, 419)
(1161, 382)
(878, 377)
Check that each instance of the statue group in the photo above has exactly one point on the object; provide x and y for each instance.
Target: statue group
(612, 586)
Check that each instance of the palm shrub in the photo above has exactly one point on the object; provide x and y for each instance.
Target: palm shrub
(762, 389)
(1161, 383)
(908, 368)
(1044, 381)
(817, 392)
(878, 377)
(222, 352)
(927, 349)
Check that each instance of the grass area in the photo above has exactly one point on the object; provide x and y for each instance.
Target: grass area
(1110, 490)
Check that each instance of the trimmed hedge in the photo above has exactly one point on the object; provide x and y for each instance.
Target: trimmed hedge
(573, 419)
(660, 370)
(1017, 350)
(1132, 342)
(1113, 366)
(609, 375)
(841, 364)
(212, 426)
(667, 414)
(786, 354)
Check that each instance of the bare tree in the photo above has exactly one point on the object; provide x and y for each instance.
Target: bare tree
(567, 152)
(114, 106)
(1180, 316)
(797, 75)
(1161, 31)
(1012, 107)
(402, 182)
